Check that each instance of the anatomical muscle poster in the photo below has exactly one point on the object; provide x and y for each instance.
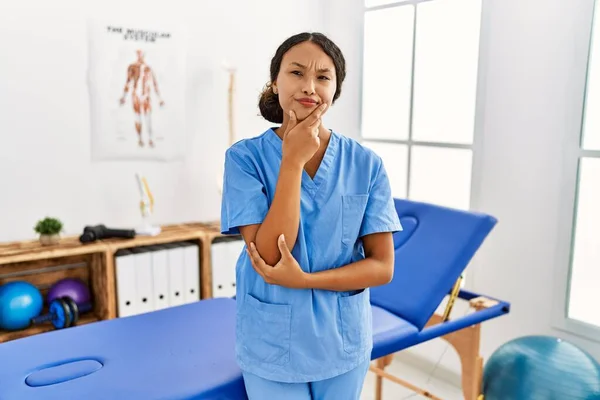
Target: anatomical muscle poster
(136, 80)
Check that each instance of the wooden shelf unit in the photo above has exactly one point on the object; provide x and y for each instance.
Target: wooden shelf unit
(94, 263)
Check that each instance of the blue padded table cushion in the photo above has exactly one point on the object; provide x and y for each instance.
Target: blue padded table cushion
(392, 334)
(434, 247)
(389, 332)
(184, 352)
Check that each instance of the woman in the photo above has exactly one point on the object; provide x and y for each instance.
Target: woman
(316, 213)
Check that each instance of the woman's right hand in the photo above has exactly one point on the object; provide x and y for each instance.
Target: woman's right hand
(301, 140)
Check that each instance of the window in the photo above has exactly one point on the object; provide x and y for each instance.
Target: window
(420, 64)
(584, 269)
(585, 264)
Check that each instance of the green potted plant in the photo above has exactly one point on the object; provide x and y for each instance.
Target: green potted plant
(49, 230)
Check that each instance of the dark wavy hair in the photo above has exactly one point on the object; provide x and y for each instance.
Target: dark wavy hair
(268, 102)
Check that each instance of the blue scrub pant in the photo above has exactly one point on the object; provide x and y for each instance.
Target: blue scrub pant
(347, 386)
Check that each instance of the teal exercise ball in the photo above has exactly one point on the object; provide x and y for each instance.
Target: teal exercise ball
(19, 302)
(541, 368)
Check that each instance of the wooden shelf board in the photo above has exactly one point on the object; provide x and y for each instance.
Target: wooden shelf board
(30, 250)
(6, 336)
(163, 237)
(14, 252)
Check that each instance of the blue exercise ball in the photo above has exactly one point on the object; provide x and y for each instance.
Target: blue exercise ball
(19, 302)
(541, 368)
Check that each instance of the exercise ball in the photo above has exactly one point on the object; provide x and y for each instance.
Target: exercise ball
(74, 288)
(541, 368)
(19, 302)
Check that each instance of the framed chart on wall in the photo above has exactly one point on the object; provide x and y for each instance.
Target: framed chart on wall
(136, 80)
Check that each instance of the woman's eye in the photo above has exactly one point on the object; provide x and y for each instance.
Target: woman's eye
(296, 72)
(324, 77)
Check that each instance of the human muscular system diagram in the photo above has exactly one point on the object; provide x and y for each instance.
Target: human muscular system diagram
(141, 79)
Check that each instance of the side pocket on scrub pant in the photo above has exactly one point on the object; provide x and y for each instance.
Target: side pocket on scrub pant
(355, 321)
(265, 331)
(353, 210)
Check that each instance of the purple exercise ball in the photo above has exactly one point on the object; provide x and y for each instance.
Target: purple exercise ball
(69, 287)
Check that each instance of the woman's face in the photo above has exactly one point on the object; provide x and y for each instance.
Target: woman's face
(306, 79)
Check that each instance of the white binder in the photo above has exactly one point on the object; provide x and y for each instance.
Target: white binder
(191, 256)
(176, 263)
(217, 252)
(144, 280)
(160, 277)
(224, 256)
(235, 248)
(126, 283)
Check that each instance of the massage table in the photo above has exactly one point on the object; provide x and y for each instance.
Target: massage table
(187, 352)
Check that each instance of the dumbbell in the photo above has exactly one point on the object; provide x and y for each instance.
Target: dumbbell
(63, 312)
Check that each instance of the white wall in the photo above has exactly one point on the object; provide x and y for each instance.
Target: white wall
(44, 101)
(534, 64)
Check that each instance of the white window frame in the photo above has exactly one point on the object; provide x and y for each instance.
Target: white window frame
(570, 182)
(476, 145)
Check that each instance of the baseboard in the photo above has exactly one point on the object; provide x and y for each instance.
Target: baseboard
(441, 372)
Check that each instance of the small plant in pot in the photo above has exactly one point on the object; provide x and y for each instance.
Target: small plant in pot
(49, 230)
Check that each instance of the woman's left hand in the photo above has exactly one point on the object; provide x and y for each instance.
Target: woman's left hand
(286, 272)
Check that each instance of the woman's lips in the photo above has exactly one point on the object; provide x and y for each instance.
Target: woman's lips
(306, 102)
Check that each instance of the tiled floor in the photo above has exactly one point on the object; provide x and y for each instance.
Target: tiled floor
(393, 391)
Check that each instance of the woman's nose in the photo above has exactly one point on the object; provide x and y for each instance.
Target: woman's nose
(309, 87)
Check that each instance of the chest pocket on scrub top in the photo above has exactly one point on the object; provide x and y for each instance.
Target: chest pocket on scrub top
(353, 210)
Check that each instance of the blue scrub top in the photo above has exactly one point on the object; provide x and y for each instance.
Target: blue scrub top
(304, 335)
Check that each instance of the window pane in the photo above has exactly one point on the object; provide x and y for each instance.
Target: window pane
(395, 160)
(591, 127)
(446, 60)
(387, 69)
(375, 3)
(441, 176)
(584, 296)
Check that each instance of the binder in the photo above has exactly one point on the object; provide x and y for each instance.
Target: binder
(191, 256)
(235, 249)
(144, 279)
(126, 283)
(160, 276)
(176, 262)
(225, 252)
(217, 252)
